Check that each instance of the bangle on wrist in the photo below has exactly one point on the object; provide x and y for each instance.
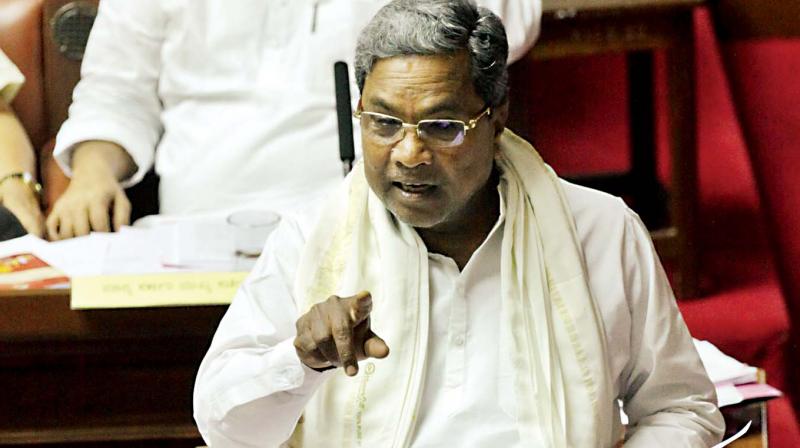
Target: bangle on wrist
(27, 179)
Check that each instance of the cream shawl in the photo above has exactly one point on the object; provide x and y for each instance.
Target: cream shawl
(553, 339)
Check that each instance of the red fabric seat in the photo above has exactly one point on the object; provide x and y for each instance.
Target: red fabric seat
(749, 323)
(784, 431)
(766, 88)
(579, 123)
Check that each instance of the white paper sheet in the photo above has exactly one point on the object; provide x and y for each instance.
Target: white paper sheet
(155, 244)
(734, 437)
(724, 369)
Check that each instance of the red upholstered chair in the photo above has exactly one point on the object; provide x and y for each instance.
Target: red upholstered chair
(578, 119)
(760, 46)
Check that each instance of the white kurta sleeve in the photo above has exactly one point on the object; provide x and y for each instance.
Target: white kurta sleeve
(665, 390)
(116, 99)
(251, 388)
(521, 19)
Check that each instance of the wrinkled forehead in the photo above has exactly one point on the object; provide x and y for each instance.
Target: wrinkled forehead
(421, 80)
(452, 66)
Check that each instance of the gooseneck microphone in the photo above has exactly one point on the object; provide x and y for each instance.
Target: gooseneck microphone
(344, 113)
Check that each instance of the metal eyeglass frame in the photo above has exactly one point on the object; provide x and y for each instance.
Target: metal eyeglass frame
(469, 125)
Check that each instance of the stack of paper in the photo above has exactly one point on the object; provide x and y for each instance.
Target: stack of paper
(162, 245)
(166, 261)
(27, 271)
(735, 381)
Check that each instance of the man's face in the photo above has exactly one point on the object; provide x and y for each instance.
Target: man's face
(423, 184)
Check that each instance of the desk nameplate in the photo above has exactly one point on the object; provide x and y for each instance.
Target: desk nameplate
(155, 290)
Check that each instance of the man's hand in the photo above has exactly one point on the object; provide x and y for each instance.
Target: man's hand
(94, 200)
(89, 204)
(22, 202)
(336, 333)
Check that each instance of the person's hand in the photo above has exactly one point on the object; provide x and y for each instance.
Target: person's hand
(92, 202)
(20, 200)
(336, 333)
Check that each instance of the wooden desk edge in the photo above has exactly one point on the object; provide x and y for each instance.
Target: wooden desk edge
(550, 7)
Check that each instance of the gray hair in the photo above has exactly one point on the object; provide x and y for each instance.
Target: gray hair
(433, 27)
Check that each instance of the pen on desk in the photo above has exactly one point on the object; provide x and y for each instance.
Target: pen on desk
(344, 114)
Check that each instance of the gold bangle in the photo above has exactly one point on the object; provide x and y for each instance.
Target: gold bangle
(27, 179)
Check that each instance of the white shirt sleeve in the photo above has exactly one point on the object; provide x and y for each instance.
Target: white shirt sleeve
(11, 79)
(522, 20)
(251, 388)
(665, 391)
(116, 99)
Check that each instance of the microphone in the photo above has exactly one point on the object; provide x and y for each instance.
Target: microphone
(344, 113)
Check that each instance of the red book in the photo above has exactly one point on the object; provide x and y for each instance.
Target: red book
(27, 271)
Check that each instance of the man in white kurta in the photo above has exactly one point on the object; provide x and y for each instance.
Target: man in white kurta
(506, 307)
(252, 387)
(232, 101)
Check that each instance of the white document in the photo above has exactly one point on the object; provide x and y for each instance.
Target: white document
(200, 244)
(79, 256)
(133, 251)
(734, 437)
(168, 247)
(76, 256)
(728, 394)
(724, 369)
(23, 244)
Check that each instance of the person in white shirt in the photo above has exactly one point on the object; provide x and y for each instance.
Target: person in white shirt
(232, 101)
(453, 291)
(20, 211)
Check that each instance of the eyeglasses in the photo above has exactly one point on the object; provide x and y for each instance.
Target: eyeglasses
(388, 130)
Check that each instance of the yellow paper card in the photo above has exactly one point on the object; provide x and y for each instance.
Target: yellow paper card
(154, 290)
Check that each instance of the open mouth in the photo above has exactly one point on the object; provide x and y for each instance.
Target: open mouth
(412, 188)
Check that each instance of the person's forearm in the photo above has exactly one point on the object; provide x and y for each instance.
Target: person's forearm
(94, 199)
(253, 396)
(668, 434)
(16, 151)
(251, 387)
(102, 158)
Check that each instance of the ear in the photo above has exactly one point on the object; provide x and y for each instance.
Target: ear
(499, 118)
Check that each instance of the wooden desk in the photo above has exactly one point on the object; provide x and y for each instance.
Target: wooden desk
(637, 28)
(124, 378)
(114, 377)
(737, 416)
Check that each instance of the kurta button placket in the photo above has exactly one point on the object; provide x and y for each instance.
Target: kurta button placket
(457, 334)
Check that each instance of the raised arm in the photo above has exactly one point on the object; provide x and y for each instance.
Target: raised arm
(666, 392)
